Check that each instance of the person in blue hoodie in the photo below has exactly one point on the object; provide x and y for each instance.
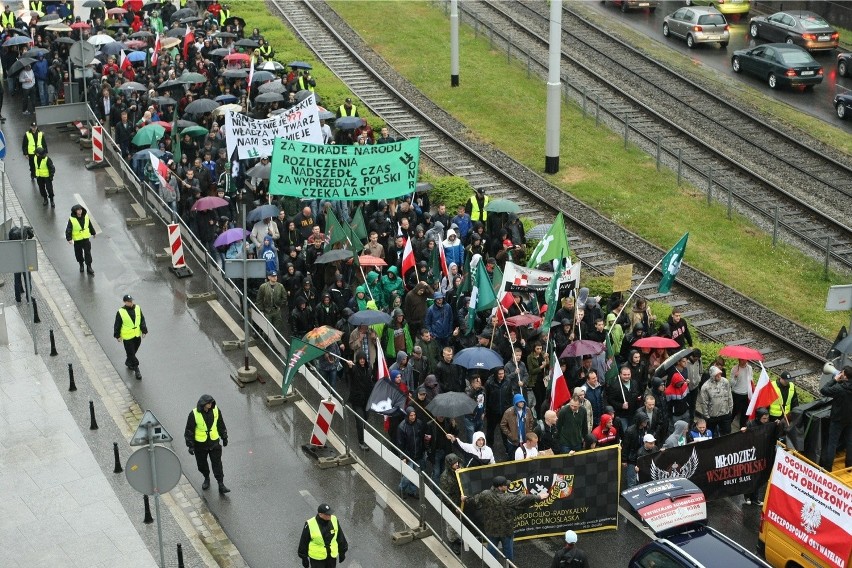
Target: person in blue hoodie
(40, 69)
(516, 422)
(439, 320)
(268, 254)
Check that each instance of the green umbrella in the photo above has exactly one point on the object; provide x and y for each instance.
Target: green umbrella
(502, 206)
(149, 135)
(194, 131)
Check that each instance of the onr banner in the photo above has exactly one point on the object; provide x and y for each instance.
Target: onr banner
(811, 507)
(337, 171)
(517, 278)
(253, 138)
(583, 490)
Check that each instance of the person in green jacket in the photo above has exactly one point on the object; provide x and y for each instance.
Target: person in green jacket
(374, 289)
(396, 335)
(391, 282)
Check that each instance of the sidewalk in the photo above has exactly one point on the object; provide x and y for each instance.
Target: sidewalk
(57, 507)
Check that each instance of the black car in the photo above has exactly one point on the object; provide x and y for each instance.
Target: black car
(843, 105)
(844, 64)
(626, 5)
(798, 27)
(779, 64)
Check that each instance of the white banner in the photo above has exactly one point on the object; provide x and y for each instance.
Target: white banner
(253, 138)
(519, 278)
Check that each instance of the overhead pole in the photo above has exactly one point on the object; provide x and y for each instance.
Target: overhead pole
(554, 90)
(454, 43)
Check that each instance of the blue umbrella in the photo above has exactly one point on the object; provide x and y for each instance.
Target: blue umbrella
(17, 40)
(113, 48)
(226, 99)
(262, 212)
(478, 358)
(135, 56)
(369, 317)
(348, 123)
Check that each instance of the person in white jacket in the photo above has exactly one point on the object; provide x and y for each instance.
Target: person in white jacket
(476, 453)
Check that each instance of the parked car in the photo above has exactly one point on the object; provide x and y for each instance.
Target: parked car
(741, 7)
(843, 105)
(800, 27)
(844, 64)
(781, 65)
(700, 24)
(634, 4)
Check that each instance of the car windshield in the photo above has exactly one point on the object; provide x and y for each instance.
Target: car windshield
(796, 58)
(712, 20)
(810, 23)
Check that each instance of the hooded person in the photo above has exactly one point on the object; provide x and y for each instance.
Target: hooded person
(605, 433)
(79, 231)
(374, 290)
(679, 437)
(433, 389)
(410, 440)
(390, 283)
(632, 441)
(205, 434)
(450, 486)
(453, 249)
(359, 300)
(405, 370)
(516, 422)
(361, 384)
(269, 255)
(474, 454)
(396, 335)
(415, 304)
(326, 312)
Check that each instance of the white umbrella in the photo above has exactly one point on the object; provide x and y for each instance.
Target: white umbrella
(100, 39)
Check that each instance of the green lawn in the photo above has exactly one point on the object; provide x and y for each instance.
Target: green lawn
(501, 106)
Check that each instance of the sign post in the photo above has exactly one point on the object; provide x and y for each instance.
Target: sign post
(840, 300)
(153, 470)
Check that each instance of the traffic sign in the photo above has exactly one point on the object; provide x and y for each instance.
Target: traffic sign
(2, 146)
(158, 433)
(82, 53)
(141, 467)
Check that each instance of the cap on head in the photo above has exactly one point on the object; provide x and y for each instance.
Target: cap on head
(324, 509)
(127, 298)
(272, 273)
(40, 151)
(786, 376)
(570, 537)
(348, 99)
(649, 438)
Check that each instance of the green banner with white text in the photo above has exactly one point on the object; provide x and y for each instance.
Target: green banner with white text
(332, 171)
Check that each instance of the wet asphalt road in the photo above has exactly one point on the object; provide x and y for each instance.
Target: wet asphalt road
(817, 103)
(275, 486)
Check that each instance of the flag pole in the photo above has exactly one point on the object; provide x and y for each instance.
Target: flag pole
(636, 289)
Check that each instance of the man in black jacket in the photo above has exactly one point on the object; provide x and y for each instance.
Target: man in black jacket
(322, 544)
(569, 556)
(205, 427)
(840, 390)
(410, 441)
(623, 395)
(449, 374)
(124, 131)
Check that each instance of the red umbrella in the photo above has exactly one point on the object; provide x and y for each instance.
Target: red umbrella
(133, 5)
(206, 203)
(741, 352)
(135, 44)
(116, 11)
(583, 347)
(237, 57)
(523, 320)
(656, 343)
(166, 125)
(80, 26)
(368, 260)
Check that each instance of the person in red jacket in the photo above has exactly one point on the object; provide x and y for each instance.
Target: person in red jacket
(606, 434)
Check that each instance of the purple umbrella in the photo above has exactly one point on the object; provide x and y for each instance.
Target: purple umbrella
(230, 236)
(583, 347)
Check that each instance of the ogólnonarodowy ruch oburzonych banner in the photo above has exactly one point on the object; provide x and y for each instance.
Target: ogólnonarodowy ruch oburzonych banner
(336, 171)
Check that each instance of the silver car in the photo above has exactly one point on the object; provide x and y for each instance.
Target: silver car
(698, 24)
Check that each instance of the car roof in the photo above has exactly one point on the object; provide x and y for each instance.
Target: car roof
(711, 548)
(704, 10)
(783, 47)
(803, 14)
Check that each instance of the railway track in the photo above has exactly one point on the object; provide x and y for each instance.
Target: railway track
(717, 311)
(762, 168)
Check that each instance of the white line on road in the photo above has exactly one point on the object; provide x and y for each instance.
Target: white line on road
(89, 211)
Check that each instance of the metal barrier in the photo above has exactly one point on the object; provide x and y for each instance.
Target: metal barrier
(435, 509)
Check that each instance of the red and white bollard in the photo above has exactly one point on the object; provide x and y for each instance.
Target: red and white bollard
(323, 423)
(97, 144)
(179, 266)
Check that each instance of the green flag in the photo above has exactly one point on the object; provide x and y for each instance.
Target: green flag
(551, 298)
(496, 279)
(358, 225)
(334, 231)
(671, 265)
(298, 354)
(352, 239)
(482, 296)
(553, 246)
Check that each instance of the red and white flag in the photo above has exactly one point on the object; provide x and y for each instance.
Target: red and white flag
(160, 168)
(155, 56)
(123, 61)
(443, 257)
(251, 73)
(188, 40)
(559, 394)
(381, 363)
(408, 261)
(764, 395)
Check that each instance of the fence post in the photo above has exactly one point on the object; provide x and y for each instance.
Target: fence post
(775, 227)
(529, 65)
(827, 255)
(730, 200)
(597, 112)
(509, 49)
(679, 165)
(584, 101)
(709, 184)
(659, 149)
(626, 127)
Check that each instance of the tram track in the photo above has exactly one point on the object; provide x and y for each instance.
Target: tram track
(715, 310)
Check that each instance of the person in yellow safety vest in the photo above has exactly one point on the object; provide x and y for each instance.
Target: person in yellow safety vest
(478, 203)
(346, 109)
(129, 329)
(224, 14)
(7, 18)
(787, 400)
(182, 3)
(33, 139)
(78, 231)
(323, 543)
(306, 82)
(265, 49)
(205, 434)
(44, 171)
(37, 6)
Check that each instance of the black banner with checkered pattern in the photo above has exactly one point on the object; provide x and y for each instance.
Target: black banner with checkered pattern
(583, 490)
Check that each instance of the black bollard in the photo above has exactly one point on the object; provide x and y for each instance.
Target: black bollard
(72, 386)
(118, 468)
(94, 423)
(148, 518)
(36, 319)
(180, 555)
(53, 352)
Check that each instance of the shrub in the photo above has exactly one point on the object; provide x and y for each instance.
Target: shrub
(452, 191)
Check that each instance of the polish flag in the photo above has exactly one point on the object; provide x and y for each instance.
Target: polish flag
(156, 55)
(443, 257)
(251, 73)
(123, 62)
(764, 395)
(559, 394)
(408, 261)
(381, 362)
(188, 40)
(160, 168)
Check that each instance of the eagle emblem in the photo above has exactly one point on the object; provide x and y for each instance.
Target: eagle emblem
(811, 517)
(674, 471)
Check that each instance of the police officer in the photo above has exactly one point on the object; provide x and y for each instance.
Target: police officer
(323, 544)
(33, 139)
(478, 202)
(78, 231)
(224, 14)
(44, 172)
(129, 329)
(205, 428)
(347, 109)
(569, 556)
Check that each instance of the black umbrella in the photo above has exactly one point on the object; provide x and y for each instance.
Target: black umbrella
(260, 171)
(670, 362)
(224, 34)
(141, 34)
(451, 405)
(261, 213)
(326, 115)
(261, 76)
(226, 99)
(269, 98)
(422, 186)
(181, 123)
(372, 317)
(235, 20)
(19, 65)
(151, 6)
(190, 20)
(305, 93)
(34, 52)
(113, 48)
(299, 65)
(163, 101)
(219, 52)
(348, 123)
(66, 40)
(272, 87)
(176, 32)
(236, 73)
(246, 42)
(201, 106)
(93, 4)
(170, 84)
(333, 256)
(183, 13)
(132, 86)
(478, 358)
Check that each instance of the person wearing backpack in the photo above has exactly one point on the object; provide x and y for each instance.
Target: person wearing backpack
(570, 556)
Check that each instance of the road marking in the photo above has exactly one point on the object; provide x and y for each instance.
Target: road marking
(89, 212)
(309, 499)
